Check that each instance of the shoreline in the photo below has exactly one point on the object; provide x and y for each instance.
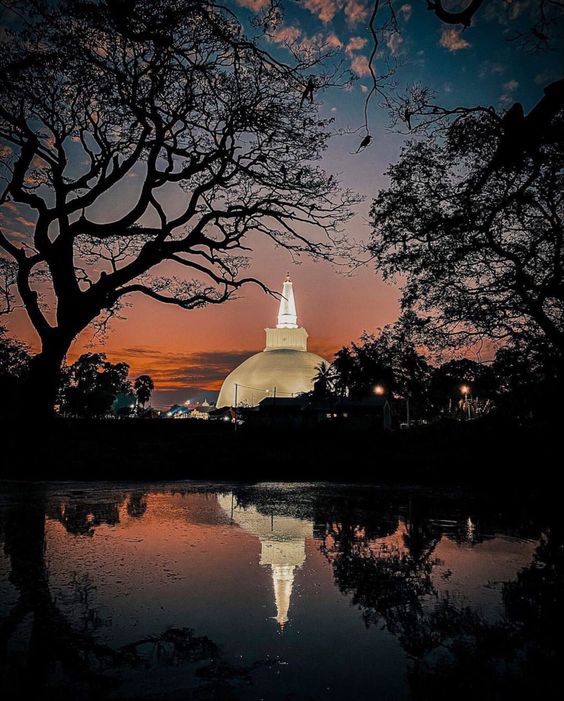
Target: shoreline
(481, 453)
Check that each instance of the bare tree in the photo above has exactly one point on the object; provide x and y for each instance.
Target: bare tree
(172, 96)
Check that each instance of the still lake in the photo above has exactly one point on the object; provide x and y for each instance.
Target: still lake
(189, 590)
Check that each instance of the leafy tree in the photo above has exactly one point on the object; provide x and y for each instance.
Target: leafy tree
(143, 387)
(531, 379)
(389, 359)
(477, 230)
(174, 93)
(14, 366)
(93, 385)
(447, 380)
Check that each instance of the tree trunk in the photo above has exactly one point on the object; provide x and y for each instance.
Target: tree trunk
(40, 390)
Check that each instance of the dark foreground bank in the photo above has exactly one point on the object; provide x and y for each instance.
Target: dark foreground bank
(481, 452)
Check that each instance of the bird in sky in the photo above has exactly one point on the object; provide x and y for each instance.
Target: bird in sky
(308, 92)
(363, 144)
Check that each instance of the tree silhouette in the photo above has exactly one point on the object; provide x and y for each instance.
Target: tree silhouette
(477, 235)
(168, 97)
(93, 383)
(60, 657)
(323, 380)
(14, 366)
(143, 387)
(447, 381)
(388, 358)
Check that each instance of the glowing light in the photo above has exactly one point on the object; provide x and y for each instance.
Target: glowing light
(379, 390)
(287, 317)
(465, 389)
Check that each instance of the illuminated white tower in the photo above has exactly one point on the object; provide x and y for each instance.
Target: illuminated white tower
(284, 369)
(287, 317)
(282, 540)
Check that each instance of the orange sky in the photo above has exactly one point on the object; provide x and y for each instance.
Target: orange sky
(187, 352)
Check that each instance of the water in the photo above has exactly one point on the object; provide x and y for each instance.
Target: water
(275, 591)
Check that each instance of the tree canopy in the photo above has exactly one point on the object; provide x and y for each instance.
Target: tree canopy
(477, 231)
(172, 93)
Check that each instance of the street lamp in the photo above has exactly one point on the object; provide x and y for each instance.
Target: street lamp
(466, 391)
(379, 390)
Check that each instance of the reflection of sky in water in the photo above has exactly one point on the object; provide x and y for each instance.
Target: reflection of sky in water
(255, 583)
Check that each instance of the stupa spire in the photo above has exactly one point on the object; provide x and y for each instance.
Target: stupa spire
(283, 580)
(287, 317)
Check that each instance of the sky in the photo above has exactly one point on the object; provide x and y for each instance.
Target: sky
(188, 353)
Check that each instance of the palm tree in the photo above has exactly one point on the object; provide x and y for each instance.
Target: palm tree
(143, 388)
(323, 379)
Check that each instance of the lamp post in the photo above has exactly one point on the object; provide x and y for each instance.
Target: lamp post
(236, 388)
(466, 391)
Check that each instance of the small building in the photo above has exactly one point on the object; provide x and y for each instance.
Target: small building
(201, 411)
(373, 411)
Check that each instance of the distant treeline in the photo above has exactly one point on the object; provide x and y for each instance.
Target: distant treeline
(523, 380)
(91, 387)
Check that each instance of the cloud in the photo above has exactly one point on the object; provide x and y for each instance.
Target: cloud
(510, 86)
(545, 77)
(491, 68)
(360, 66)
(172, 371)
(355, 11)
(286, 35)
(355, 44)
(507, 94)
(451, 40)
(406, 11)
(254, 5)
(333, 41)
(25, 222)
(324, 9)
(393, 42)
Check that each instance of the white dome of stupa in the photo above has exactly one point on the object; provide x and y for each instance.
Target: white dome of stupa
(285, 368)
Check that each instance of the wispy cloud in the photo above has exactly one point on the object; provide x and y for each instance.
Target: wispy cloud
(491, 68)
(405, 11)
(355, 11)
(507, 95)
(393, 41)
(451, 40)
(324, 9)
(285, 35)
(355, 44)
(254, 5)
(360, 66)
(171, 371)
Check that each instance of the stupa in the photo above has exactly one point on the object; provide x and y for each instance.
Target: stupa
(285, 368)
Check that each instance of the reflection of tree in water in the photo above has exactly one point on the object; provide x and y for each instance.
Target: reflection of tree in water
(81, 516)
(43, 655)
(453, 650)
(137, 505)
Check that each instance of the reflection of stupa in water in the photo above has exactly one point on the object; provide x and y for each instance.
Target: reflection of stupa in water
(283, 547)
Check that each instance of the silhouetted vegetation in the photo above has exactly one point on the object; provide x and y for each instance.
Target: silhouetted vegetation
(60, 658)
(92, 384)
(176, 93)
